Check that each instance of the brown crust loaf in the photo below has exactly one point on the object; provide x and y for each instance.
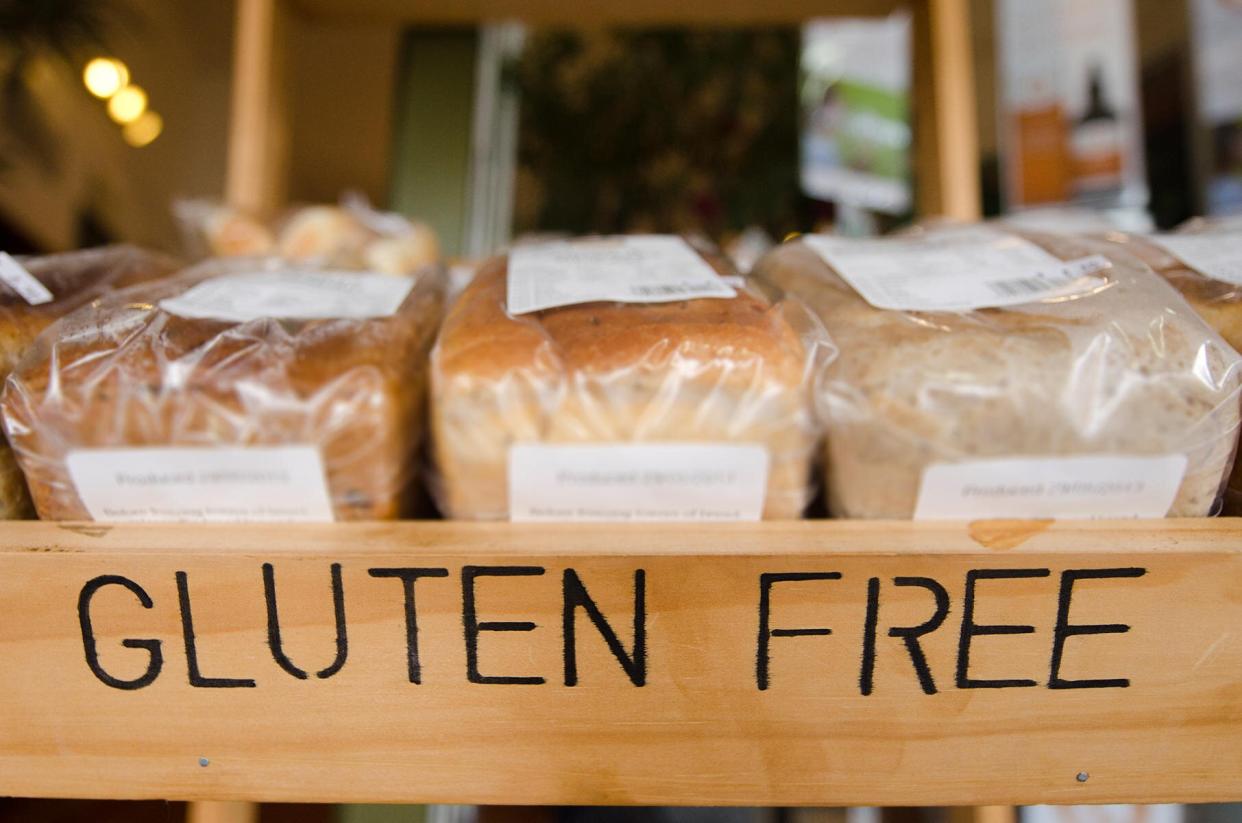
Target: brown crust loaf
(74, 279)
(1128, 370)
(706, 370)
(481, 339)
(126, 373)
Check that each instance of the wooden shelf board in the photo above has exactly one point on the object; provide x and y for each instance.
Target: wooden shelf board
(771, 539)
(591, 12)
(710, 723)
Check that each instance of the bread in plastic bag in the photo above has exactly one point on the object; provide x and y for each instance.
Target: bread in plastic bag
(73, 279)
(1125, 368)
(703, 371)
(135, 371)
(350, 236)
(1217, 300)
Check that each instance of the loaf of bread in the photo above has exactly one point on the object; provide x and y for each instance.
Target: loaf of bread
(135, 370)
(1126, 368)
(73, 279)
(1217, 301)
(692, 371)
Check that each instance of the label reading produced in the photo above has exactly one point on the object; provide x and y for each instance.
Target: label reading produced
(955, 270)
(1218, 256)
(1082, 488)
(638, 482)
(294, 295)
(639, 269)
(257, 484)
(14, 275)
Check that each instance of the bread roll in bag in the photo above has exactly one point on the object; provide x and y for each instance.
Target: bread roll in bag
(1126, 368)
(127, 373)
(350, 236)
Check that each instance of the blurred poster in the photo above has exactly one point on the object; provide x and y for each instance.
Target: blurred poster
(1157, 813)
(1070, 123)
(855, 95)
(1217, 32)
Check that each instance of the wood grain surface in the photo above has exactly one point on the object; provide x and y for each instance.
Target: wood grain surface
(828, 663)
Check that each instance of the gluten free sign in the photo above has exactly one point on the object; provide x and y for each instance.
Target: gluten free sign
(975, 614)
(760, 664)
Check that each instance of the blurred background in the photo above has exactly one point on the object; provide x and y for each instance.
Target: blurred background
(725, 127)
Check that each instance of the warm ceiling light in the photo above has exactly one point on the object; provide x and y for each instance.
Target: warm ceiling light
(143, 130)
(128, 104)
(105, 76)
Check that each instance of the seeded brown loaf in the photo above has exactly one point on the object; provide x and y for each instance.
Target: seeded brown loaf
(1128, 369)
(1216, 301)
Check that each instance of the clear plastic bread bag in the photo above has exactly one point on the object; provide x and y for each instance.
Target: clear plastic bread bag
(351, 235)
(239, 390)
(989, 373)
(1203, 261)
(631, 378)
(37, 290)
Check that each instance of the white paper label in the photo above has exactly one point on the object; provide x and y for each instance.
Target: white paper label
(959, 270)
(292, 294)
(1068, 488)
(639, 269)
(23, 282)
(257, 484)
(1218, 256)
(637, 482)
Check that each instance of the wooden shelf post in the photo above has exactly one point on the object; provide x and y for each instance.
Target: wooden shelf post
(258, 131)
(222, 811)
(947, 140)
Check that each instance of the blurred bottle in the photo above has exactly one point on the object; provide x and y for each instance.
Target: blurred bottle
(1096, 145)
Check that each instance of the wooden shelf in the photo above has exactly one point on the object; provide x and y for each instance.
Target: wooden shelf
(591, 12)
(728, 701)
